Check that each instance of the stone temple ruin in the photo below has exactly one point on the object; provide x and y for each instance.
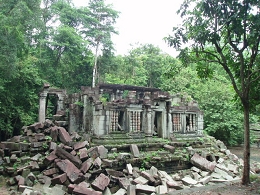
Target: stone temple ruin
(111, 108)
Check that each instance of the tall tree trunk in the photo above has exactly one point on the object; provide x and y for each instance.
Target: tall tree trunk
(94, 74)
(246, 171)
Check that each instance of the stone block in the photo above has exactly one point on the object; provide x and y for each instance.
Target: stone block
(36, 126)
(120, 192)
(52, 146)
(54, 133)
(83, 154)
(129, 169)
(147, 176)
(174, 184)
(205, 180)
(140, 180)
(73, 173)
(24, 146)
(134, 150)
(161, 189)
(131, 190)
(169, 148)
(124, 182)
(39, 137)
(101, 182)
(189, 181)
(50, 172)
(97, 162)
(66, 155)
(79, 190)
(50, 158)
(60, 179)
(64, 136)
(85, 166)
(102, 151)
(93, 152)
(202, 163)
(80, 145)
(145, 189)
(165, 175)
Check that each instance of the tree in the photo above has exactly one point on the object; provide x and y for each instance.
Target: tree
(99, 31)
(225, 32)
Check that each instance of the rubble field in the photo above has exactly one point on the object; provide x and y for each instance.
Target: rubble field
(46, 159)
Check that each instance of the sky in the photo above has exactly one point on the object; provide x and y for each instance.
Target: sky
(143, 22)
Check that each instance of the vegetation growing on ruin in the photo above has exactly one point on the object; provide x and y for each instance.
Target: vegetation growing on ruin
(53, 41)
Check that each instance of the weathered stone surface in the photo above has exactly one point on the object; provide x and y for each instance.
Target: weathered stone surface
(52, 146)
(140, 180)
(49, 172)
(174, 184)
(54, 133)
(86, 165)
(80, 190)
(169, 148)
(80, 145)
(73, 173)
(64, 136)
(93, 152)
(120, 192)
(83, 154)
(36, 126)
(134, 150)
(163, 174)
(205, 180)
(147, 176)
(131, 190)
(97, 162)
(60, 179)
(145, 188)
(102, 151)
(202, 163)
(129, 169)
(189, 181)
(39, 137)
(124, 182)
(66, 155)
(101, 182)
(36, 157)
(161, 189)
(50, 158)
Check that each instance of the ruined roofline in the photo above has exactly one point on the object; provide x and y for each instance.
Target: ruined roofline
(127, 87)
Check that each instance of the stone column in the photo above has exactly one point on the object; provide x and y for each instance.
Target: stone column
(85, 112)
(200, 124)
(149, 122)
(42, 105)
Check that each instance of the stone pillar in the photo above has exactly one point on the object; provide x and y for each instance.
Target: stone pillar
(85, 112)
(149, 122)
(200, 124)
(42, 104)
(169, 127)
(164, 124)
(73, 126)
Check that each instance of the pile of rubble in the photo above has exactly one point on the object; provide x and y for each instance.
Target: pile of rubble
(46, 159)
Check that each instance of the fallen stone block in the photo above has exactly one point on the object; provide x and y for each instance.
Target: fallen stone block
(73, 173)
(86, 165)
(83, 154)
(66, 155)
(161, 189)
(145, 188)
(174, 184)
(120, 192)
(50, 172)
(79, 190)
(147, 176)
(101, 182)
(131, 190)
(97, 162)
(189, 181)
(202, 163)
(60, 179)
(80, 145)
(124, 182)
(102, 151)
(64, 136)
(129, 169)
(169, 148)
(140, 180)
(134, 150)
(205, 180)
